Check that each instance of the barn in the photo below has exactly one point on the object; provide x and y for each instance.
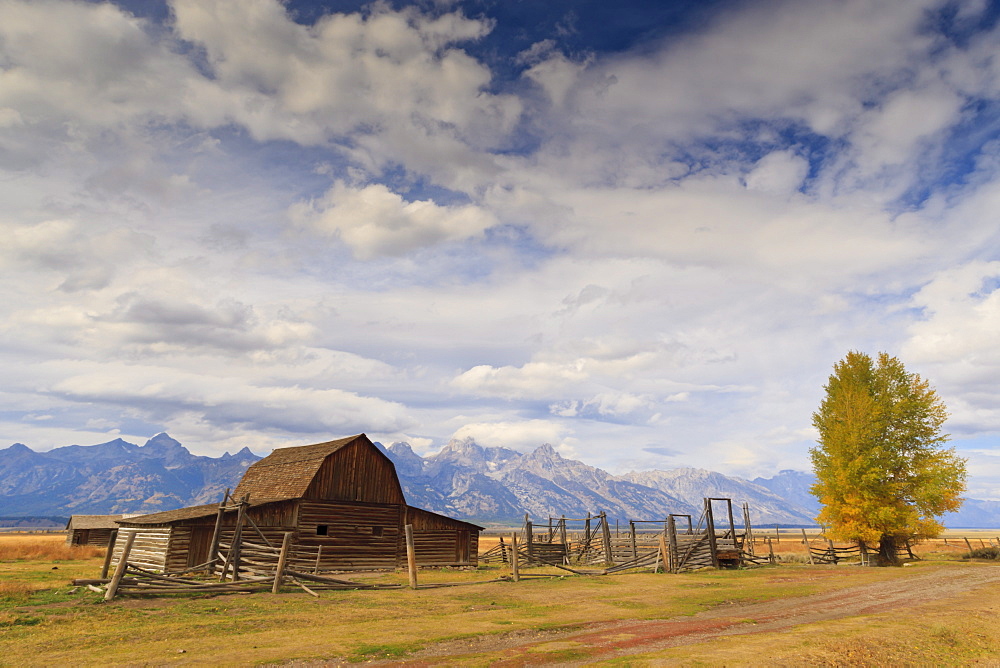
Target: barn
(341, 500)
(91, 529)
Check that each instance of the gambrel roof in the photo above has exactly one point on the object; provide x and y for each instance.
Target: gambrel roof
(287, 473)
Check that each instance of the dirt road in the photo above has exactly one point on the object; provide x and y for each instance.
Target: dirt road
(629, 637)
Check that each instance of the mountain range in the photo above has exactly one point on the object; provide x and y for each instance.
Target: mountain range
(463, 480)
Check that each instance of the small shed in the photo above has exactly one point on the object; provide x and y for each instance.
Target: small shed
(342, 496)
(95, 530)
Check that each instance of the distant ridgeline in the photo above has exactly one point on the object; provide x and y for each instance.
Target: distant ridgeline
(32, 522)
(463, 480)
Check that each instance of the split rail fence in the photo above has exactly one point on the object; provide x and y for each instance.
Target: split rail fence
(675, 543)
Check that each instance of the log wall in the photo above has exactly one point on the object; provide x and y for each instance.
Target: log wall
(440, 540)
(98, 537)
(149, 550)
(357, 536)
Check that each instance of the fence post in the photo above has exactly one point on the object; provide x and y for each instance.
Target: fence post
(662, 553)
(120, 570)
(968, 544)
(279, 573)
(606, 535)
(411, 556)
(672, 545)
(805, 541)
(631, 528)
(213, 546)
(111, 551)
(710, 527)
(515, 572)
(319, 554)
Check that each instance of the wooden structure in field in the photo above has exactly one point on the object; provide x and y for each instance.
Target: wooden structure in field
(676, 543)
(340, 500)
(97, 530)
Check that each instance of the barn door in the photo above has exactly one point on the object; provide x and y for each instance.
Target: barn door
(201, 543)
(462, 547)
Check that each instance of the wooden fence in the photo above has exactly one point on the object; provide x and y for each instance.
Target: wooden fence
(676, 543)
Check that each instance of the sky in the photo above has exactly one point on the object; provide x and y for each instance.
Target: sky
(642, 235)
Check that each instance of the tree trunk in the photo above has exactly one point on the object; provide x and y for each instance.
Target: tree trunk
(887, 554)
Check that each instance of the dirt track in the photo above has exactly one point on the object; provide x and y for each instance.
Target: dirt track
(624, 638)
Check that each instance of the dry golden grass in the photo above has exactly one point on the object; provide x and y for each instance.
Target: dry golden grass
(40, 612)
(15, 590)
(44, 547)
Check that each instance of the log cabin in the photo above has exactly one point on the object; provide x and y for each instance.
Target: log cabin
(96, 530)
(342, 496)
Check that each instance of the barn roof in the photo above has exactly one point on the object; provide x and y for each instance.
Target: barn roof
(191, 513)
(445, 518)
(92, 522)
(287, 472)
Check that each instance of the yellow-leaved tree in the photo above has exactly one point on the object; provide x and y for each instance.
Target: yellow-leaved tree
(883, 472)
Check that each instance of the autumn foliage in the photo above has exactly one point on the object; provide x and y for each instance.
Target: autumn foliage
(883, 472)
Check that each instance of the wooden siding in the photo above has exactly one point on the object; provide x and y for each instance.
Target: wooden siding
(358, 536)
(189, 544)
(149, 549)
(446, 547)
(357, 472)
(97, 537)
(442, 541)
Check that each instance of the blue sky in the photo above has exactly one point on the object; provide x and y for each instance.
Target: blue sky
(643, 236)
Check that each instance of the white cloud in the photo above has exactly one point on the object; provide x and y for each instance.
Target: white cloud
(779, 172)
(666, 247)
(374, 221)
(524, 435)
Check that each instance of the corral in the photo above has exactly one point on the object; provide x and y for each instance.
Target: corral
(676, 543)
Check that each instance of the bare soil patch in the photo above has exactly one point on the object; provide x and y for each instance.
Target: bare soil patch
(610, 640)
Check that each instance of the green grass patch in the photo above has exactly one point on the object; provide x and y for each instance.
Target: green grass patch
(380, 652)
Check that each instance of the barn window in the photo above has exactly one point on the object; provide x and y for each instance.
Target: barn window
(321, 529)
(377, 532)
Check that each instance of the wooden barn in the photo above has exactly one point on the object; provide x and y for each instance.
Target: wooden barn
(341, 500)
(91, 529)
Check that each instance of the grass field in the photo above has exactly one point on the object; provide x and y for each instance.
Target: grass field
(46, 621)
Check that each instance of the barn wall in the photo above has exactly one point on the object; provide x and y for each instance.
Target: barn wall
(357, 472)
(96, 537)
(189, 544)
(442, 541)
(149, 550)
(358, 536)
(191, 539)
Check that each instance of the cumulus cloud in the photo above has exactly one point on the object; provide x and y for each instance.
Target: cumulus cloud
(215, 400)
(518, 435)
(667, 245)
(779, 172)
(374, 221)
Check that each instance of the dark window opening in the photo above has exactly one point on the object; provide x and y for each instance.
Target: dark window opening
(321, 529)
(377, 532)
